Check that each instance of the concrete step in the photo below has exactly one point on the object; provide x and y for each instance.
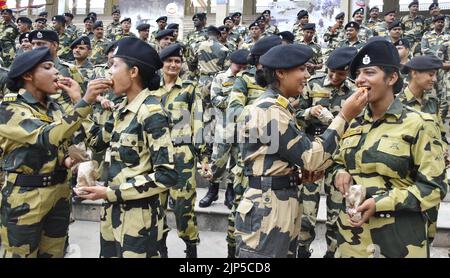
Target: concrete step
(215, 217)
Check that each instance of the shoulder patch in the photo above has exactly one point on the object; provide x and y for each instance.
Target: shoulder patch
(282, 101)
(9, 98)
(352, 131)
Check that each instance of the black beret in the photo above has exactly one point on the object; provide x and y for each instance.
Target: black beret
(413, 3)
(239, 56)
(69, 15)
(41, 19)
(59, 18)
(43, 13)
(26, 61)
(396, 23)
(236, 14)
(360, 10)
(422, 63)
(309, 26)
(92, 14)
(432, 6)
(143, 26)
(110, 47)
(125, 19)
(403, 42)
(173, 26)
(22, 36)
(164, 33)
(341, 58)
(340, 15)
(256, 23)
(89, 18)
(352, 24)
(302, 14)
(266, 12)
(264, 44)
(227, 18)
(287, 36)
(199, 16)
(439, 17)
(163, 18)
(374, 8)
(24, 19)
(84, 40)
(116, 11)
(260, 18)
(7, 11)
(286, 56)
(138, 51)
(213, 29)
(173, 50)
(378, 52)
(389, 12)
(46, 35)
(223, 28)
(97, 24)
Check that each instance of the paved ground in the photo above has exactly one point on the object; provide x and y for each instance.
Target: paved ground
(85, 243)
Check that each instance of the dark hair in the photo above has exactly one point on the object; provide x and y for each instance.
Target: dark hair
(398, 86)
(14, 85)
(252, 59)
(150, 79)
(266, 77)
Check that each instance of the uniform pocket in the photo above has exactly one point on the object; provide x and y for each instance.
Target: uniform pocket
(244, 216)
(350, 142)
(394, 146)
(129, 149)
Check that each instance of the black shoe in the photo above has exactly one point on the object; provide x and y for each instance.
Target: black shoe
(231, 252)
(303, 254)
(171, 203)
(191, 251)
(329, 255)
(229, 196)
(211, 196)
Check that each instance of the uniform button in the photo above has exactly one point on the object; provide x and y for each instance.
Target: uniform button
(382, 215)
(267, 199)
(44, 179)
(50, 178)
(388, 215)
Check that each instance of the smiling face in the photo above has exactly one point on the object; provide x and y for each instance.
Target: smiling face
(376, 81)
(396, 33)
(292, 81)
(337, 77)
(172, 66)
(424, 80)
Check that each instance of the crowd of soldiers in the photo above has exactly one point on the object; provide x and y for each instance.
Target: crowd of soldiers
(155, 109)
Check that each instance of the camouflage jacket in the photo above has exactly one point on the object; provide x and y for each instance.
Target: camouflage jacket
(358, 44)
(399, 160)
(334, 38)
(98, 55)
(414, 27)
(371, 24)
(286, 147)
(436, 44)
(64, 50)
(72, 28)
(112, 30)
(381, 29)
(235, 38)
(33, 137)
(211, 57)
(122, 35)
(319, 91)
(192, 40)
(317, 55)
(140, 152)
(83, 74)
(271, 30)
(221, 87)
(247, 45)
(429, 24)
(8, 34)
(365, 33)
(84, 32)
(241, 30)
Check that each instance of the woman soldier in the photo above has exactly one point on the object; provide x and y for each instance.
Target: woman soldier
(141, 156)
(396, 154)
(268, 217)
(34, 137)
(182, 101)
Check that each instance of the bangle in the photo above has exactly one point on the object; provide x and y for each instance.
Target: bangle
(343, 117)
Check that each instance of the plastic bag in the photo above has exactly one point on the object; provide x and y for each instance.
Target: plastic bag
(355, 197)
(87, 173)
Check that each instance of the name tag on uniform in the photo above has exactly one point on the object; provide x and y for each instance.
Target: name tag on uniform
(44, 117)
(227, 84)
(320, 94)
(352, 131)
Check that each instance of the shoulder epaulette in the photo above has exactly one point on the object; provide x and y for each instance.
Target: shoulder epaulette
(282, 101)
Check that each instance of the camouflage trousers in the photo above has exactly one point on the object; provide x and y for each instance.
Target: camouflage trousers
(7, 54)
(432, 215)
(209, 122)
(184, 197)
(268, 223)
(34, 221)
(309, 199)
(131, 229)
(222, 154)
(440, 91)
(398, 236)
(240, 184)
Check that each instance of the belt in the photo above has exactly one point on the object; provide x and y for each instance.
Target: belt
(139, 203)
(315, 130)
(389, 214)
(276, 182)
(40, 180)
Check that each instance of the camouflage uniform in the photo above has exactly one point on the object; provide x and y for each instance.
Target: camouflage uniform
(429, 24)
(346, 43)
(85, 32)
(371, 24)
(193, 39)
(64, 50)
(365, 33)
(244, 93)
(392, 159)
(319, 91)
(268, 218)
(122, 35)
(87, 74)
(247, 45)
(333, 39)
(62, 98)
(8, 34)
(71, 28)
(34, 139)
(317, 55)
(113, 29)
(181, 101)
(414, 29)
(98, 55)
(271, 30)
(298, 33)
(142, 166)
(241, 30)
(234, 38)
(381, 29)
(428, 104)
(438, 44)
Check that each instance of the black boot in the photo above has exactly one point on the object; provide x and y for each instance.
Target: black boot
(229, 196)
(329, 255)
(231, 252)
(191, 251)
(302, 253)
(171, 202)
(163, 246)
(211, 196)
